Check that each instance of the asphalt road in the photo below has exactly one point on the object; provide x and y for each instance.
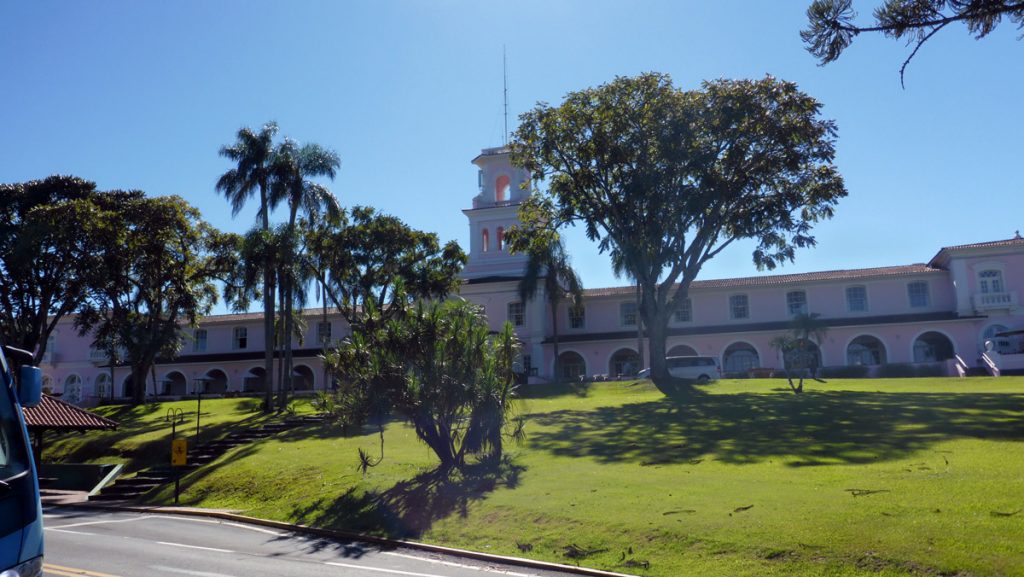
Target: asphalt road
(90, 543)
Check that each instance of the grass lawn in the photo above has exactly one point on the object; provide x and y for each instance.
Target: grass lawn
(855, 477)
(143, 436)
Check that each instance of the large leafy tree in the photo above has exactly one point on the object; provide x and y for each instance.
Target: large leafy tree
(371, 266)
(161, 276)
(831, 27)
(548, 266)
(252, 153)
(294, 167)
(438, 365)
(50, 243)
(668, 178)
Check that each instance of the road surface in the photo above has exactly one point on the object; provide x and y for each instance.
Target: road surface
(91, 543)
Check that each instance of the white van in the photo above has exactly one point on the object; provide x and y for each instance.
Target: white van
(700, 369)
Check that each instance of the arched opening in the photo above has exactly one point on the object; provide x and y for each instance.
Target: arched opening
(865, 350)
(302, 378)
(739, 358)
(102, 386)
(682, 351)
(571, 366)
(932, 347)
(485, 238)
(255, 381)
(804, 354)
(500, 238)
(128, 386)
(175, 384)
(501, 188)
(216, 382)
(73, 389)
(624, 363)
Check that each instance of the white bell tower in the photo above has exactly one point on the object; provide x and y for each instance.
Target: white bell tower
(503, 188)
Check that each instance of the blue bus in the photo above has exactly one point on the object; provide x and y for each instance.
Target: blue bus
(21, 516)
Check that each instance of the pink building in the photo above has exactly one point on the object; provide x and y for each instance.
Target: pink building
(933, 318)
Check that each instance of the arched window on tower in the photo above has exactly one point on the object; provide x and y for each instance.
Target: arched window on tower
(501, 239)
(501, 188)
(486, 238)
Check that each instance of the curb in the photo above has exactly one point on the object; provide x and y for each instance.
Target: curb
(347, 535)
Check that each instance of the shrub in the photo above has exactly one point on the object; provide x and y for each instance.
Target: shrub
(844, 372)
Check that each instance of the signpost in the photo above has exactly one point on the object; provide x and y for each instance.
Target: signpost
(179, 448)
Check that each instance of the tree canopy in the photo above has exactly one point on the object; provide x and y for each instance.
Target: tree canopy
(668, 178)
(374, 264)
(160, 277)
(831, 28)
(50, 246)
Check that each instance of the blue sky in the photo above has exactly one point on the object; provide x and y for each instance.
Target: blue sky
(143, 94)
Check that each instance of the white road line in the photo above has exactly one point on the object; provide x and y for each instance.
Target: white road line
(379, 570)
(71, 532)
(166, 569)
(195, 547)
(84, 523)
(459, 565)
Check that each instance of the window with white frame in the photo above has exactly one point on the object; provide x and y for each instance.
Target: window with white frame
(577, 317)
(516, 314)
(241, 338)
(627, 314)
(796, 303)
(199, 341)
(684, 313)
(917, 293)
(323, 332)
(990, 281)
(856, 299)
(739, 307)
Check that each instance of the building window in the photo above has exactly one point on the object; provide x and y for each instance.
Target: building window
(796, 303)
(738, 307)
(485, 237)
(577, 317)
(856, 299)
(990, 281)
(73, 389)
(516, 315)
(627, 314)
(684, 313)
(501, 239)
(480, 179)
(918, 294)
(323, 332)
(501, 188)
(241, 338)
(199, 341)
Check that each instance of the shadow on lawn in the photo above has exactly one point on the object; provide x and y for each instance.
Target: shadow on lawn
(815, 428)
(410, 507)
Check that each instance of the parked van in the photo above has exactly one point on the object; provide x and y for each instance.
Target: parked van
(700, 369)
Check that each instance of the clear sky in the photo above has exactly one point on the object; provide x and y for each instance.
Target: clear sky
(141, 95)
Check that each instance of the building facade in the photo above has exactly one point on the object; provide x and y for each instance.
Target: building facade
(935, 316)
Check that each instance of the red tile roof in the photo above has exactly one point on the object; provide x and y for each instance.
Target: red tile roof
(1018, 241)
(783, 279)
(55, 414)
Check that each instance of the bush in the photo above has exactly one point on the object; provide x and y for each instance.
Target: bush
(844, 372)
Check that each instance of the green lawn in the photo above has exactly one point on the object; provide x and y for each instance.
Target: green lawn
(871, 477)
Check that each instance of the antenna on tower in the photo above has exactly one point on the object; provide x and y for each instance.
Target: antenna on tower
(504, 70)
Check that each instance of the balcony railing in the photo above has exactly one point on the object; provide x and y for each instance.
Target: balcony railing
(990, 301)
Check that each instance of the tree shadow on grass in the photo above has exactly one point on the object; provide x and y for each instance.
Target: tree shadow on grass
(410, 507)
(815, 428)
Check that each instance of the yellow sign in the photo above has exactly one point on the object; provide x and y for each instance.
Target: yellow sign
(179, 452)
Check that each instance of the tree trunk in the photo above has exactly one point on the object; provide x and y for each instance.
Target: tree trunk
(554, 339)
(286, 384)
(657, 333)
(639, 330)
(138, 383)
(268, 335)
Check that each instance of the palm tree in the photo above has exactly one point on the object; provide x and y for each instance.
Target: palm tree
(620, 268)
(293, 166)
(551, 263)
(806, 329)
(253, 152)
